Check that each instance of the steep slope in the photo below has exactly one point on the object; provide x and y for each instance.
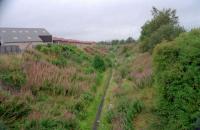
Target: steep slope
(51, 87)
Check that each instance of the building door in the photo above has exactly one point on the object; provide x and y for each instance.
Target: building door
(0, 41)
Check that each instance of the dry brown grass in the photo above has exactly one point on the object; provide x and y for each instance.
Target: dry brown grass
(62, 78)
(117, 123)
(38, 72)
(68, 115)
(10, 61)
(144, 119)
(34, 115)
(142, 66)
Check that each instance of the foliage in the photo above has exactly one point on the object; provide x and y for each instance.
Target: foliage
(166, 32)
(125, 110)
(63, 53)
(12, 109)
(60, 61)
(130, 40)
(176, 66)
(163, 26)
(60, 80)
(118, 42)
(14, 78)
(99, 64)
(11, 73)
(3, 126)
(46, 124)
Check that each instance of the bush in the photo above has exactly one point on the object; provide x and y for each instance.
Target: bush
(99, 64)
(176, 66)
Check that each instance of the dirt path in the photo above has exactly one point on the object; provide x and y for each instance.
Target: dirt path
(98, 114)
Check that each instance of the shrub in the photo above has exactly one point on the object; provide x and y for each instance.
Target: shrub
(99, 64)
(176, 66)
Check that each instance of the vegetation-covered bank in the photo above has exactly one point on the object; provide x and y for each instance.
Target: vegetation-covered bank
(155, 83)
(52, 87)
(129, 103)
(176, 66)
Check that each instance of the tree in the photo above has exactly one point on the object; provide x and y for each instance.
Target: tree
(130, 40)
(163, 26)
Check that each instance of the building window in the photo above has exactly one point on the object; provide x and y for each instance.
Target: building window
(15, 38)
(29, 38)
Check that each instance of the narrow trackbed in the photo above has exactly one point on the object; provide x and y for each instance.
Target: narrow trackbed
(98, 115)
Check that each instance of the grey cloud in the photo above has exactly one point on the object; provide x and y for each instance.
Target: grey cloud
(93, 19)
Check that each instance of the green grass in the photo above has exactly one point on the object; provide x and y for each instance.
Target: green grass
(59, 84)
(93, 107)
(123, 90)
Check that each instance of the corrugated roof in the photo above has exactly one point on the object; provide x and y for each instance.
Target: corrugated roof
(17, 35)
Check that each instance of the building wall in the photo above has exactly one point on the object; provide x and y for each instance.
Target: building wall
(10, 49)
(24, 46)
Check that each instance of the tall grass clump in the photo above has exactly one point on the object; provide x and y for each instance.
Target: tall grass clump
(121, 116)
(11, 72)
(50, 78)
(12, 109)
(46, 124)
(176, 68)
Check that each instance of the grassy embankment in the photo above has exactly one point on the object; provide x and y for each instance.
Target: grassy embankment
(163, 95)
(131, 97)
(52, 87)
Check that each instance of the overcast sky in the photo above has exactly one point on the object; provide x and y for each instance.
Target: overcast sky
(93, 19)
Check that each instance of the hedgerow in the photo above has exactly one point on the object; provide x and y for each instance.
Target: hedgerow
(176, 69)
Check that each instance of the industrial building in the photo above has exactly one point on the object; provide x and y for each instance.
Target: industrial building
(24, 37)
